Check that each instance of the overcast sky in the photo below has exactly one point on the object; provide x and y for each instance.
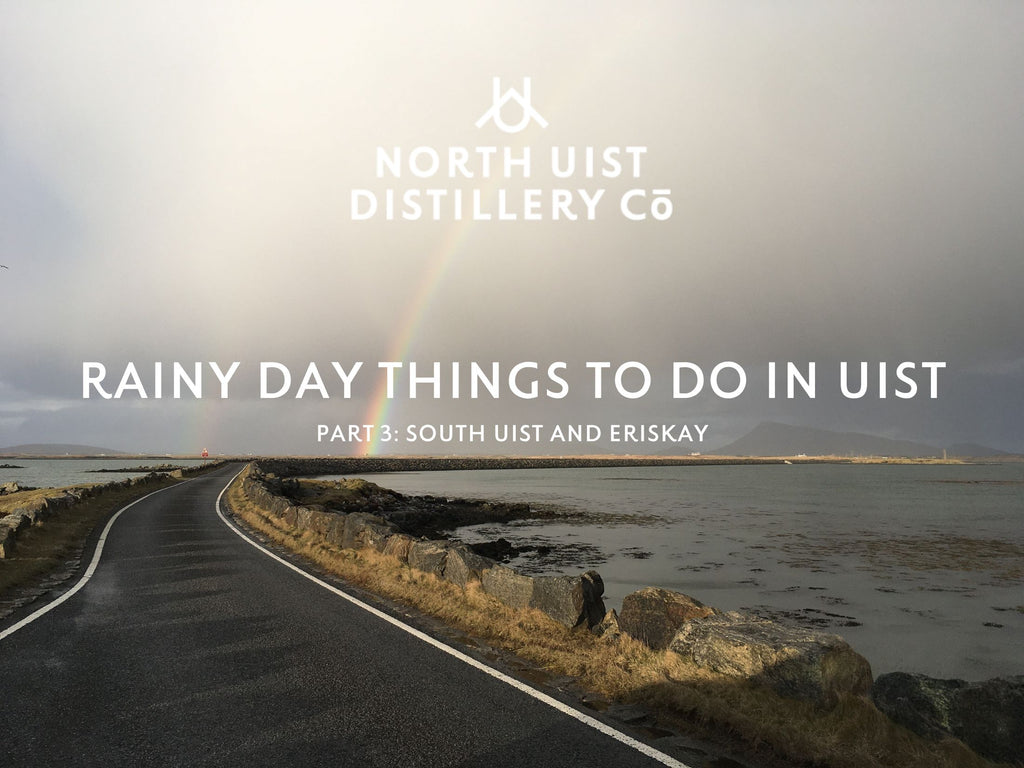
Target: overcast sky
(176, 183)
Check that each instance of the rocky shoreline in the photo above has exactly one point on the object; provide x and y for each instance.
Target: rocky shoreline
(806, 664)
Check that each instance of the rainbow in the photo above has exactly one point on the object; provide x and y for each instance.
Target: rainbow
(438, 265)
(415, 310)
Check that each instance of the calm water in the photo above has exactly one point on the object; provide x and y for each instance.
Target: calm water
(56, 473)
(920, 568)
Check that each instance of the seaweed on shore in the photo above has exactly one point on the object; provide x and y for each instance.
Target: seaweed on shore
(1002, 561)
(427, 516)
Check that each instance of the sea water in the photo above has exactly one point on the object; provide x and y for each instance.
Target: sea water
(57, 473)
(919, 567)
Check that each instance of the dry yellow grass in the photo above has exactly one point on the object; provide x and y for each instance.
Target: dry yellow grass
(853, 735)
(13, 501)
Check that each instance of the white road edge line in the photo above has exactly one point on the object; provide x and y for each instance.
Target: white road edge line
(88, 571)
(597, 725)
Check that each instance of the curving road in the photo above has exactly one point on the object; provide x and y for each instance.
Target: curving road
(189, 646)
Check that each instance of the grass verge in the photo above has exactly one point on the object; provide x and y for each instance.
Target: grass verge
(852, 735)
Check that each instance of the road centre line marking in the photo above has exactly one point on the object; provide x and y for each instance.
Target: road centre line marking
(597, 725)
(88, 571)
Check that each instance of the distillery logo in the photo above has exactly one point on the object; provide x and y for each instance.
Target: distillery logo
(500, 100)
(488, 182)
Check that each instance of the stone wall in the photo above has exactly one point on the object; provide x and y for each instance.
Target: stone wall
(569, 600)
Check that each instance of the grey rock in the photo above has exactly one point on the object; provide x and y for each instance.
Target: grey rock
(653, 615)
(794, 662)
(463, 565)
(302, 518)
(987, 716)
(429, 556)
(560, 597)
(608, 628)
(319, 522)
(918, 703)
(375, 536)
(56, 504)
(356, 526)
(398, 546)
(511, 588)
(335, 533)
(289, 515)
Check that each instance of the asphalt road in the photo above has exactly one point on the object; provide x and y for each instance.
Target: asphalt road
(188, 646)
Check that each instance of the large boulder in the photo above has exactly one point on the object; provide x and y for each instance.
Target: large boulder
(320, 522)
(362, 530)
(916, 702)
(281, 507)
(794, 662)
(463, 565)
(570, 600)
(335, 533)
(375, 536)
(33, 516)
(429, 556)
(511, 588)
(560, 597)
(653, 615)
(302, 518)
(398, 546)
(56, 504)
(288, 514)
(987, 716)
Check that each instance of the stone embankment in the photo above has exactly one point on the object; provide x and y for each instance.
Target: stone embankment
(796, 663)
(39, 509)
(570, 600)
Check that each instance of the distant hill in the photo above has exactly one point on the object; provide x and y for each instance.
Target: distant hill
(773, 439)
(973, 450)
(57, 449)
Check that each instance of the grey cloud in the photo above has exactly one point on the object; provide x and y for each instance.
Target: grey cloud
(174, 185)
